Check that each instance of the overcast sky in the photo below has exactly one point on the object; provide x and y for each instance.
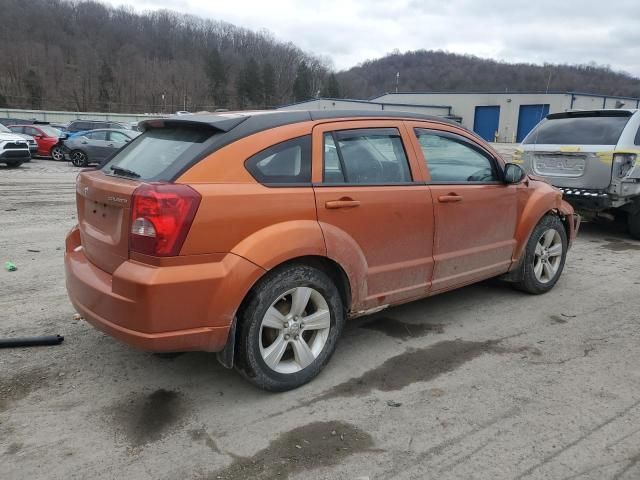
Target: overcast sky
(349, 32)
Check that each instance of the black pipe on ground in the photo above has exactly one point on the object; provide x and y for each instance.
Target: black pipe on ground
(31, 341)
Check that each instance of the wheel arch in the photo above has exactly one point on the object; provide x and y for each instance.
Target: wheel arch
(541, 203)
(328, 266)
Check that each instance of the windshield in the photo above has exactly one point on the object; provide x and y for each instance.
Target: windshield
(158, 154)
(597, 130)
(49, 131)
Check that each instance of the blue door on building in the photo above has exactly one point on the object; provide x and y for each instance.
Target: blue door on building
(529, 117)
(486, 120)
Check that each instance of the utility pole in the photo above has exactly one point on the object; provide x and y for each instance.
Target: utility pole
(397, 80)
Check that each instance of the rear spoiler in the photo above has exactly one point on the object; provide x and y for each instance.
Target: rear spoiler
(221, 122)
(590, 113)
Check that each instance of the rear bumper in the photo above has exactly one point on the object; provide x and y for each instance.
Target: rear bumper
(159, 309)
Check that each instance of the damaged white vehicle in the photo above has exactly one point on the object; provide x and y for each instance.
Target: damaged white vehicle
(593, 156)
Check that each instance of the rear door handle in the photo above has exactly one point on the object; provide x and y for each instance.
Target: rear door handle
(451, 198)
(342, 203)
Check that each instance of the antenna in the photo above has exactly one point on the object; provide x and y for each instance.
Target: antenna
(535, 139)
(548, 82)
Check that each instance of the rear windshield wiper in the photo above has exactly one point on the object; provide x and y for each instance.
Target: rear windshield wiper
(124, 171)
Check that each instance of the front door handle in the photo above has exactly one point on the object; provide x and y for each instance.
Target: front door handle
(451, 198)
(342, 203)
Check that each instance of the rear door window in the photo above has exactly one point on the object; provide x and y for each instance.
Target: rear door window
(118, 137)
(594, 130)
(97, 135)
(285, 163)
(159, 154)
(82, 126)
(372, 156)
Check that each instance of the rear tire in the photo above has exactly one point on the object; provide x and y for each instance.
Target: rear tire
(633, 221)
(544, 256)
(277, 350)
(57, 153)
(79, 158)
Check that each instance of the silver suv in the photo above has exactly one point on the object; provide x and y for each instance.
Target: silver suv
(593, 156)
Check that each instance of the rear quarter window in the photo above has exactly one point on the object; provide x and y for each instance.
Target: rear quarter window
(160, 154)
(285, 163)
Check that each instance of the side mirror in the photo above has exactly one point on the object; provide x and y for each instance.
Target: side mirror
(513, 173)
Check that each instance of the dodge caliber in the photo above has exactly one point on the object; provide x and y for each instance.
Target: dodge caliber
(256, 235)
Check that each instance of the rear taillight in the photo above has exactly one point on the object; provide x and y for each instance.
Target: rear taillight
(161, 215)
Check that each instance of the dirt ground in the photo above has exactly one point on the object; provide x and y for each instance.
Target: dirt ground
(482, 383)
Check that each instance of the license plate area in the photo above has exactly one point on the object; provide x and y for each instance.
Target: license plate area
(559, 165)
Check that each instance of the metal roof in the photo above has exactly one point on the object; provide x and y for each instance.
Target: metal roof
(368, 102)
(493, 92)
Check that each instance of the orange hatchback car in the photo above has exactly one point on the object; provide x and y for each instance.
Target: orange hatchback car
(257, 234)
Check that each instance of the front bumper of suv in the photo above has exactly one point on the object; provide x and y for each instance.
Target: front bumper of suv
(11, 155)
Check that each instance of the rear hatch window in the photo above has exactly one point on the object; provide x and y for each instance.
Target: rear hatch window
(160, 154)
(579, 129)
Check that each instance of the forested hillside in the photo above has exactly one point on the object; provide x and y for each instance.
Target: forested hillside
(440, 71)
(87, 56)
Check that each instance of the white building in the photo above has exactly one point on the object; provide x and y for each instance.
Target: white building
(495, 116)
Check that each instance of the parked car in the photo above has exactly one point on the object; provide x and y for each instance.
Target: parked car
(31, 142)
(14, 150)
(85, 125)
(95, 146)
(15, 121)
(593, 156)
(256, 235)
(60, 126)
(47, 138)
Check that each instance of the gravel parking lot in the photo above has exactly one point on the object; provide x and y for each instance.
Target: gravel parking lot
(484, 382)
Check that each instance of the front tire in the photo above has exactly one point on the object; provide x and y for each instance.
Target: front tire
(544, 256)
(15, 164)
(633, 221)
(79, 158)
(288, 328)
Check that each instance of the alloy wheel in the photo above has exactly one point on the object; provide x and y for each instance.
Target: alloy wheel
(56, 154)
(548, 256)
(294, 330)
(79, 159)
